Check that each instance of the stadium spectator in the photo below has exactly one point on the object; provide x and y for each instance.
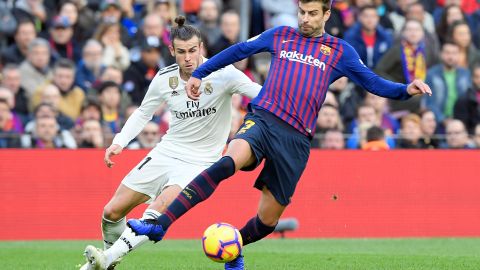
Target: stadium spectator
(153, 26)
(209, 15)
(387, 122)
(14, 122)
(410, 133)
(328, 118)
(11, 78)
(61, 40)
(32, 10)
(90, 67)
(35, 69)
(17, 51)
(82, 17)
(111, 12)
(114, 53)
(230, 27)
(450, 14)
(467, 107)
(456, 135)
(428, 125)
(375, 140)
(166, 10)
(476, 136)
(399, 16)
(348, 97)
(46, 135)
(407, 60)
(449, 81)
(139, 75)
(461, 35)
(333, 140)
(109, 97)
(148, 138)
(366, 118)
(91, 135)
(416, 11)
(368, 38)
(47, 110)
(72, 96)
(9, 138)
(280, 12)
(50, 94)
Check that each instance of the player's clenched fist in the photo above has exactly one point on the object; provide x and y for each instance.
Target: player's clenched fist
(193, 88)
(114, 149)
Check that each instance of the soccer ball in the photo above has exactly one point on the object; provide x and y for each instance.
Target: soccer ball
(222, 242)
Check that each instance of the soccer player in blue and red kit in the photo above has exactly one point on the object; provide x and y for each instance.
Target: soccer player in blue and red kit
(281, 119)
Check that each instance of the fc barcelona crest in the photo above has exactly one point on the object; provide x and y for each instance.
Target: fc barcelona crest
(208, 89)
(325, 50)
(173, 82)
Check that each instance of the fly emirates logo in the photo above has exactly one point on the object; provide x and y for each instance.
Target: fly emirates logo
(305, 59)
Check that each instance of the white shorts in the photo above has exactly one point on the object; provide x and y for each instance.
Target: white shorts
(157, 171)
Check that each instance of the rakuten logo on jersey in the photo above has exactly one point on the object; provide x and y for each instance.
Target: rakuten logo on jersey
(305, 59)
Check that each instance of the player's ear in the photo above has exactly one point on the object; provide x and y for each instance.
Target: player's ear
(326, 16)
(172, 50)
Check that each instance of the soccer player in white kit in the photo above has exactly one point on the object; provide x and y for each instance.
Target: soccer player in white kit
(195, 140)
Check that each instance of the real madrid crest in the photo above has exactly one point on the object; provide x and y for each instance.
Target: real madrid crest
(208, 89)
(173, 83)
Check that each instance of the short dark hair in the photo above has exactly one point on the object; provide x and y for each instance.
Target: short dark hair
(107, 84)
(184, 31)
(326, 4)
(375, 133)
(363, 8)
(64, 63)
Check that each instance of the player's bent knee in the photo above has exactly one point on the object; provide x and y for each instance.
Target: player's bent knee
(241, 153)
(112, 214)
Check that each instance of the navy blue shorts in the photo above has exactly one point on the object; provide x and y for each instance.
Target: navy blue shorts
(285, 150)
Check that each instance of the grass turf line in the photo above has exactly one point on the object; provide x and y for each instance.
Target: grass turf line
(271, 254)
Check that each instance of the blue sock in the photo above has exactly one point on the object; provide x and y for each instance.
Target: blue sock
(255, 230)
(198, 190)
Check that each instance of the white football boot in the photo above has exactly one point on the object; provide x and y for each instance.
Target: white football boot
(95, 258)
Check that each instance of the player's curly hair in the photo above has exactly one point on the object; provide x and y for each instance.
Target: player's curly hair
(184, 31)
(326, 4)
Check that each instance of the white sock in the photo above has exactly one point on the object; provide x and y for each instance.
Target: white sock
(111, 231)
(128, 241)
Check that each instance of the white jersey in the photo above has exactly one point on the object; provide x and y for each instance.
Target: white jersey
(198, 129)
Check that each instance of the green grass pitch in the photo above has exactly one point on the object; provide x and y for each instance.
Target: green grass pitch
(271, 254)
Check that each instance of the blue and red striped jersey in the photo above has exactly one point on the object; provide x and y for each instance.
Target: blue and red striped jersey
(300, 72)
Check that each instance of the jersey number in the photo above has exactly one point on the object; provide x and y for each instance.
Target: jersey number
(145, 162)
(246, 126)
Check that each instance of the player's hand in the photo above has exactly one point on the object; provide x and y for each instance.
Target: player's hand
(113, 150)
(417, 87)
(193, 88)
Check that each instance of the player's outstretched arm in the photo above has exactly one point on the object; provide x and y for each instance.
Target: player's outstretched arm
(113, 150)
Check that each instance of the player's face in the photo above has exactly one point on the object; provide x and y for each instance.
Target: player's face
(311, 19)
(187, 54)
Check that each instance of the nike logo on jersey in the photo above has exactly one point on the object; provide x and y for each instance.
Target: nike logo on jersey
(288, 40)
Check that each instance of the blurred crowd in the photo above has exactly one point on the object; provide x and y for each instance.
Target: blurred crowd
(72, 71)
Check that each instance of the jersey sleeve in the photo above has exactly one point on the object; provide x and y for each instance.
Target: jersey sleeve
(355, 69)
(238, 83)
(140, 117)
(237, 52)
